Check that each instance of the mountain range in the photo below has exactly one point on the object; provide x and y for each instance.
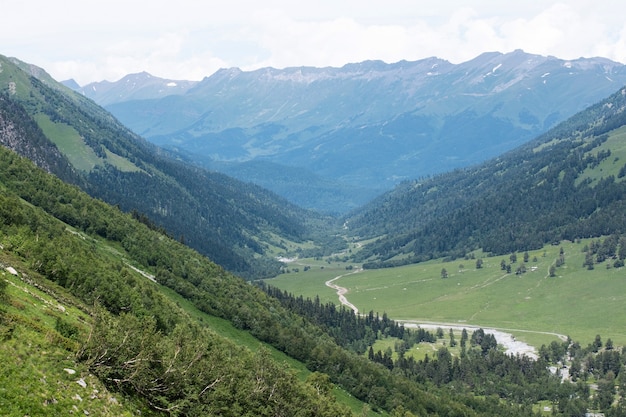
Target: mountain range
(353, 132)
(131, 87)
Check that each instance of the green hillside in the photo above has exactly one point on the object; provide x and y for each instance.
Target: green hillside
(233, 222)
(567, 184)
(83, 295)
(148, 346)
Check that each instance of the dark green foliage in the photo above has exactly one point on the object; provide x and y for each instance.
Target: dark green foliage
(350, 330)
(66, 329)
(517, 202)
(479, 263)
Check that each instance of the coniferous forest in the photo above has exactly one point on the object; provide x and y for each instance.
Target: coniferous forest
(535, 195)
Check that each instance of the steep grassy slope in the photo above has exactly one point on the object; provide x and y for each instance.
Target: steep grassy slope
(566, 184)
(132, 338)
(41, 327)
(230, 221)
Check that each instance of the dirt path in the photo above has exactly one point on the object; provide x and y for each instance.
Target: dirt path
(341, 291)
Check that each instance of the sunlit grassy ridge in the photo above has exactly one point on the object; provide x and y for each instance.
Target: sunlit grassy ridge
(72, 145)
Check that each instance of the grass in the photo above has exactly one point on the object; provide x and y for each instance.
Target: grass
(39, 374)
(311, 282)
(72, 145)
(616, 143)
(576, 302)
(419, 351)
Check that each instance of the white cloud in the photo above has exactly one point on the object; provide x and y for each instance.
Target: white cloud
(189, 39)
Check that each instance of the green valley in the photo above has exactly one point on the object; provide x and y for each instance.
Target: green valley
(576, 302)
(132, 282)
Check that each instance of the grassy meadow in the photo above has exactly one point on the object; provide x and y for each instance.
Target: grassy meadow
(577, 302)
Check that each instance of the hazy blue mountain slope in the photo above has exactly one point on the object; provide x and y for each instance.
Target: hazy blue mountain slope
(132, 87)
(296, 184)
(372, 124)
(566, 184)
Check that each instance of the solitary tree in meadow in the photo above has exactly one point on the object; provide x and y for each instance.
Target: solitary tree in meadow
(479, 263)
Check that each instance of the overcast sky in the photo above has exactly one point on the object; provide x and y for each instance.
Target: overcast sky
(93, 40)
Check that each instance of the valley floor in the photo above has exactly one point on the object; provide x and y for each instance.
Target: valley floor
(511, 345)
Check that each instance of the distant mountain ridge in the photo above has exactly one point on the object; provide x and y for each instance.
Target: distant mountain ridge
(369, 124)
(132, 87)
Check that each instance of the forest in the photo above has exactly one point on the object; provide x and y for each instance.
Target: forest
(538, 194)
